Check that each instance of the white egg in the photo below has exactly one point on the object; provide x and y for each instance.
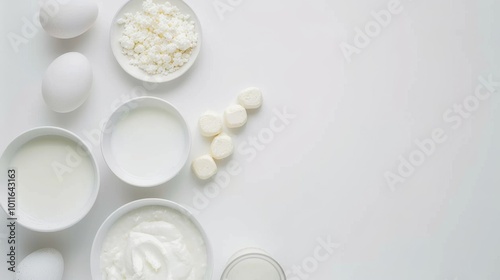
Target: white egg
(67, 19)
(67, 82)
(44, 264)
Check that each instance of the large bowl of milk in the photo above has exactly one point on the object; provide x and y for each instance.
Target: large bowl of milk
(52, 179)
(152, 239)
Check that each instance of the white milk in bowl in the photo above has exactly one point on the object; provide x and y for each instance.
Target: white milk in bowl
(146, 142)
(56, 179)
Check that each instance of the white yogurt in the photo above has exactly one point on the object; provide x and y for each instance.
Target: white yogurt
(148, 142)
(153, 243)
(54, 180)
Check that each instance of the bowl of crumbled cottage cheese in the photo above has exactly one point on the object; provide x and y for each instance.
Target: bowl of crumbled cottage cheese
(155, 40)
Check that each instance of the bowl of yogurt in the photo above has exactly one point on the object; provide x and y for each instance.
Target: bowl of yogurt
(51, 179)
(152, 239)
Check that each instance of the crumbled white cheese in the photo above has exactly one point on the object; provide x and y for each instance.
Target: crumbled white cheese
(159, 39)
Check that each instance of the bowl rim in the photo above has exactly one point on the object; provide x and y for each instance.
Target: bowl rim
(158, 79)
(134, 205)
(33, 133)
(250, 253)
(113, 119)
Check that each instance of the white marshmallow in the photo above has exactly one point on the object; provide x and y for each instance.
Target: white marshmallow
(250, 98)
(235, 116)
(204, 167)
(222, 146)
(210, 124)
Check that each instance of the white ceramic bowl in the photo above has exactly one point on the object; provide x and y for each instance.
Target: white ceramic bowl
(133, 6)
(5, 162)
(95, 253)
(169, 170)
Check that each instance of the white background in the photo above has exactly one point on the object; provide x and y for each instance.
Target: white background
(324, 174)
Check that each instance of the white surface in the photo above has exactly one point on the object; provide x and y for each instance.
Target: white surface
(323, 173)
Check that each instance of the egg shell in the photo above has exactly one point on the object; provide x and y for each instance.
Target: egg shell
(44, 264)
(67, 82)
(65, 19)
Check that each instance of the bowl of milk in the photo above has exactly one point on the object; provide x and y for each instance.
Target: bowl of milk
(52, 179)
(146, 142)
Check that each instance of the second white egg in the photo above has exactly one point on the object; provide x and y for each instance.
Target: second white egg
(67, 82)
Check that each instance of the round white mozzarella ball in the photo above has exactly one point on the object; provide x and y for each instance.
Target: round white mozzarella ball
(204, 167)
(222, 146)
(210, 124)
(250, 98)
(235, 116)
